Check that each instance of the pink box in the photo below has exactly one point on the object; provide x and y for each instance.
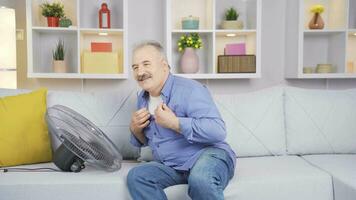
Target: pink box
(235, 49)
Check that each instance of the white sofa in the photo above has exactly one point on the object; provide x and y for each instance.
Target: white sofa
(292, 144)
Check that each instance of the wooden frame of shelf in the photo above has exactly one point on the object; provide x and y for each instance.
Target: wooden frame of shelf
(42, 39)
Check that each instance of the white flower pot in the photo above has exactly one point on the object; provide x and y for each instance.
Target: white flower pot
(238, 24)
(59, 66)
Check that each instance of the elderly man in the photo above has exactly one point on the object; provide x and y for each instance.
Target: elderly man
(179, 121)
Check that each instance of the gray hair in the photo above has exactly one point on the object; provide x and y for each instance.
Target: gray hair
(153, 44)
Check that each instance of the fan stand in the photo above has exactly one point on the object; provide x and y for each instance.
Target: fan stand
(66, 160)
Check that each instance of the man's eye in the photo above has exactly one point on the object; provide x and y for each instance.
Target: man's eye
(146, 64)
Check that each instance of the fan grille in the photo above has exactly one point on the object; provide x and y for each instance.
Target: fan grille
(83, 138)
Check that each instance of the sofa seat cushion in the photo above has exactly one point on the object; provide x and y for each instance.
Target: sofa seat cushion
(271, 178)
(90, 184)
(342, 169)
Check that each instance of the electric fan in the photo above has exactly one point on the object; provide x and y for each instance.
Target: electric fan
(81, 142)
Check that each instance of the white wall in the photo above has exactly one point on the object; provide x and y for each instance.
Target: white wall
(146, 22)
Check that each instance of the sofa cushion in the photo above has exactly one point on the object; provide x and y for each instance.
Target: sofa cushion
(23, 134)
(320, 121)
(254, 122)
(269, 178)
(109, 111)
(89, 184)
(342, 169)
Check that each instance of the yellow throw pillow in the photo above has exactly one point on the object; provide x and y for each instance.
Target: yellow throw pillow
(24, 135)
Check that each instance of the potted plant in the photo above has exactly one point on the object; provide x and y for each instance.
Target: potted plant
(189, 60)
(316, 22)
(231, 21)
(53, 11)
(59, 65)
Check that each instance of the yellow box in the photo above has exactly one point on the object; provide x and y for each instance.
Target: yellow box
(101, 63)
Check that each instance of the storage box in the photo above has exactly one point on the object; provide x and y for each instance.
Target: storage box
(235, 49)
(101, 47)
(237, 64)
(101, 63)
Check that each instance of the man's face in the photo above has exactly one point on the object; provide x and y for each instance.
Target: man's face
(149, 69)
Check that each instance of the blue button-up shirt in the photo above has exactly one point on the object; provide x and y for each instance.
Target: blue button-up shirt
(199, 119)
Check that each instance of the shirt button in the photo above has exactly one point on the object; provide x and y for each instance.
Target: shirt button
(157, 145)
(155, 133)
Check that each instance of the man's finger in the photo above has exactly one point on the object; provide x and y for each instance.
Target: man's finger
(140, 111)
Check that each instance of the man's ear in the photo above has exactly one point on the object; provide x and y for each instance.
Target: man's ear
(165, 63)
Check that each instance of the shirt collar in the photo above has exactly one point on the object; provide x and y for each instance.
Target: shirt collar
(166, 90)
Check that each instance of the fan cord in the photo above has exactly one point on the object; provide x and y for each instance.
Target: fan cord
(29, 169)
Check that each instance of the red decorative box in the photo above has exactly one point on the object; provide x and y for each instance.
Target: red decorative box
(101, 47)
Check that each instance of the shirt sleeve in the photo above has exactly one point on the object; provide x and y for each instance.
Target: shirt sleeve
(203, 123)
(134, 141)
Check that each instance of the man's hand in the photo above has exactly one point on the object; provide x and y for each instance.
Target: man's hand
(139, 120)
(166, 118)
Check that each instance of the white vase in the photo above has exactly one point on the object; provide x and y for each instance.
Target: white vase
(59, 66)
(189, 61)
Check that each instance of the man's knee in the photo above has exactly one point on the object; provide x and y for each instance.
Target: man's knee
(203, 182)
(133, 177)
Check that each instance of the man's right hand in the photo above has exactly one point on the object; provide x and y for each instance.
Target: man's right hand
(139, 120)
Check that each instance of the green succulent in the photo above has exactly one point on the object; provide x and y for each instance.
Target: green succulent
(231, 14)
(58, 53)
(52, 9)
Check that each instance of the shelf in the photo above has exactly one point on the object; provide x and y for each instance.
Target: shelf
(352, 15)
(198, 8)
(191, 31)
(247, 12)
(89, 13)
(328, 76)
(70, 10)
(334, 15)
(325, 49)
(42, 40)
(205, 54)
(324, 31)
(77, 76)
(43, 43)
(335, 44)
(53, 29)
(220, 76)
(214, 39)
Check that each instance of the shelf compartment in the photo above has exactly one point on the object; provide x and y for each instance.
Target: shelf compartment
(247, 12)
(89, 13)
(70, 10)
(43, 43)
(324, 48)
(352, 14)
(334, 14)
(198, 8)
(249, 38)
(87, 36)
(351, 53)
(205, 53)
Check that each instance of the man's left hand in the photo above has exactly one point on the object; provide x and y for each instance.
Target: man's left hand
(166, 118)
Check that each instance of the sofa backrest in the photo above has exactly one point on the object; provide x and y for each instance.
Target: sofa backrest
(254, 122)
(109, 111)
(320, 121)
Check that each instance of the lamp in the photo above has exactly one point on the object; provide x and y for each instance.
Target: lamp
(7, 48)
